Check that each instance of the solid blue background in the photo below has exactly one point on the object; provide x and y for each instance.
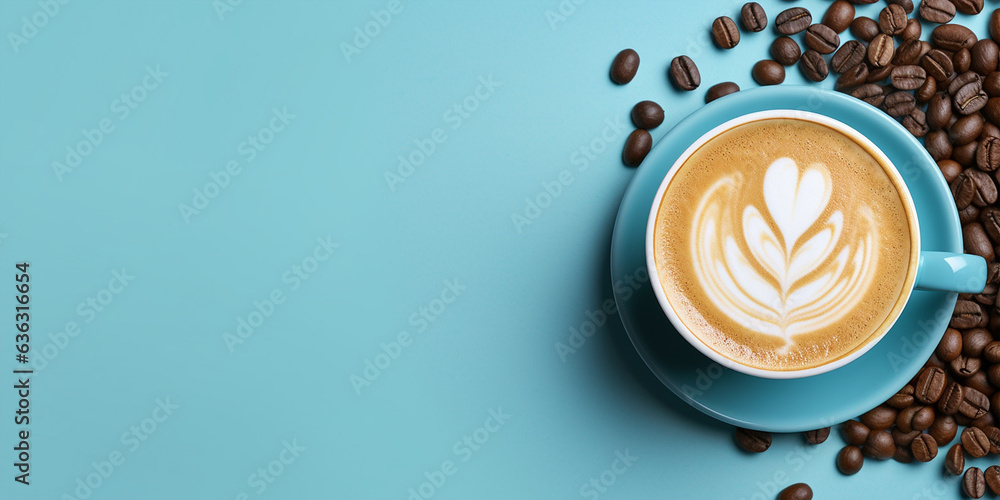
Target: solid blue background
(161, 388)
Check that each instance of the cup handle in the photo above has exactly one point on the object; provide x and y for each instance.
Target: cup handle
(951, 272)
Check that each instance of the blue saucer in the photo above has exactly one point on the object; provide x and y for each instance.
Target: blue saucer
(799, 404)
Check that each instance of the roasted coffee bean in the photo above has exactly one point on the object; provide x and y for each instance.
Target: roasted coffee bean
(987, 297)
(968, 314)
(976, 241)
(928, 388)
(952, 37)
(954, 461)
(962, 60)
(882, 416)
(818, 436)
(892, 20)
(752, 440)
(907, 5)
(970, 98)
(880, 50)
(909, 77)
(904, 420)
(854, 77)
(792, 21)
(647, 115)
(902, 399)
(939, 114)
(950, 345)
(684, 73)
(903, 439)
(725, 33)
(899, 103)
(950, 169)
(753, 17)
(908, 53)
(952, 398)
(962, 80)
(974, 341)
(911, 31)
(992, 477)
(992, 110)
(855, 432)
(985, 54)
(993, 434)
(719, 90)
(988, 154)
(980, 382)
(923, 419)
(965, 154)
(995, 25)
(990, 218)
(786, 51)
(991, 352)
(926, 91)
(797, 491)
(966, 129)
(864, 28)
(968, 6)
(989, 130)
(624, 67)
(850, 460)
(813, 65)
(768, 72)
(986, 421)
(637, 146)
(916, 122)
(880, 445)
(924, 448)
(973, 482)
(936, 11)
(903, 454)
(877, 75)
(936, 143)
(839, 16)
(994, 376)
(975, 442)
(965, 367)
(872, 94)
(822, 39)
(938, 65)
(943, 429)
(991, 83)
(932, 361)
(975, 404)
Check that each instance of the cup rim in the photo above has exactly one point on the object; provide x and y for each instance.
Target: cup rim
(894, 175)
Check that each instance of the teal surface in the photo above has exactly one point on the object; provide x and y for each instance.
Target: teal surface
(282, 258)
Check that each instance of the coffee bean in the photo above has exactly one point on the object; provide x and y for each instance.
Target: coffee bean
(637, 146)
(813, 65)
(991, 83)
(924, 448)
(850, 460)
(822, 38)
(990, 218)
(954, 461)
(950, 170)
(975, 404)
(926, 91)
(970, 98)
(943, 429)
(684, 73)
(768, 72)
(973, 482)
(624, 67)
(902, 399)
(976, 241)
(988, 155)
(719, 90)
(993, 434)
(903, 454)
(952, 398)
(899, 103)
(797, 491)
(968, 6)
(753, 441)
(992, 477)
(839, 16)
(818, 436)
(855, 432)
(882, 416)
(974, 341)
(880, 50)
(907, 5)
(923, 419)
(911, 31)
(981, 382)
(964, 367)
(916, 122)
(967, 215)
(786, 51)
(725, 33)
(939, 114)
(938, 65)
(995, 25)
(962, 80)
(986, 190)
(647, 115)
(872, 94)
(909, 77)
(892, 20)
(950, 346)
(963, 189)
(856, 76)
(792, 21)
(880, 445)
(965, 129)
(877, 75)
(989, 130)
(936, 11)
(864, 28)
(975, 442)
(992, 110)
(908, 53)
(962, 60)
(928, 388)
(985, 54)
(753, 17)
(903, 439)
(904, 420)
(952, 37)
(936, 143)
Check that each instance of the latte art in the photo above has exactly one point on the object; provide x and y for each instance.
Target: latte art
(812, 276)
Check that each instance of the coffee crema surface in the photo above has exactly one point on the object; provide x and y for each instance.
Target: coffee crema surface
(783, 244)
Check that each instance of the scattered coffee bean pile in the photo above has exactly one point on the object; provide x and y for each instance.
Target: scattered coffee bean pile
(946, 90)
